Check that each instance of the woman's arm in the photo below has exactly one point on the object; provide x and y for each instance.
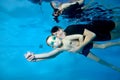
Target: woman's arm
(37, 57)
(88, 37)
(75, 37)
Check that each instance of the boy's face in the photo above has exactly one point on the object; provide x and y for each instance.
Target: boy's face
(54, 41)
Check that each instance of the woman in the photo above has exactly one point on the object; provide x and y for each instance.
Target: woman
(101, 28)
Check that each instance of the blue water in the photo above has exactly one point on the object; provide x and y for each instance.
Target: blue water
(24, 27)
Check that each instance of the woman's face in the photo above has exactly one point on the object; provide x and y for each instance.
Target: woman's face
(54, 41)
(60, 33)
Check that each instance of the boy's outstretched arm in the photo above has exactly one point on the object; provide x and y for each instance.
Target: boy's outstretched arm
(30, 56)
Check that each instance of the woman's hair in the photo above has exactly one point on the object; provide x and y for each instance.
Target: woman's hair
(55, 29)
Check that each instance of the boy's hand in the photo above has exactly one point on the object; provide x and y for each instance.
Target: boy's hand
(30, 56)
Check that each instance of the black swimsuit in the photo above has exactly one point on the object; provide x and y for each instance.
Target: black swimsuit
(100, 28)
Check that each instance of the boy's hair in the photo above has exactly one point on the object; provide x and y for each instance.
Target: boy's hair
(55, 29)
(46, 40)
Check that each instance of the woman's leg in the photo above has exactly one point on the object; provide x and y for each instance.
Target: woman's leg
(97, 59)
(106, 44)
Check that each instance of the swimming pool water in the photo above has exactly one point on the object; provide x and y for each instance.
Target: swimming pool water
(24, 27)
